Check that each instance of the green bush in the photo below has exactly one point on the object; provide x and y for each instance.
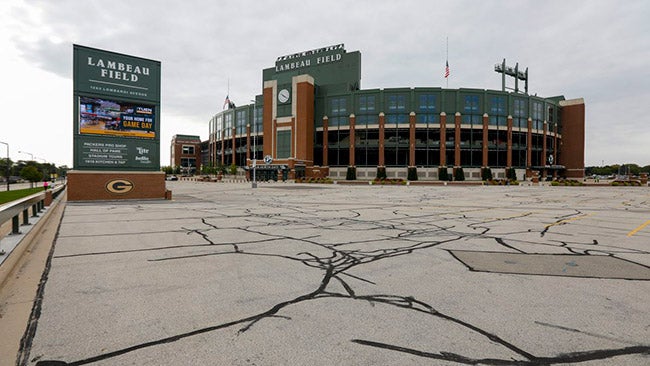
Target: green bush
(511, 174)
(351, 173)
(442, 173)
(381, 172)
(412, 173)
(486, 174)
(459, 174)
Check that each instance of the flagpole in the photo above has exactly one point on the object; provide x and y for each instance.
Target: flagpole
(447, 61)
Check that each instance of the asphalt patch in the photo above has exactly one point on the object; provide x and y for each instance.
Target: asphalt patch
(565, 265)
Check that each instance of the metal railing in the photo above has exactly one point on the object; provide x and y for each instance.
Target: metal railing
(12, 210)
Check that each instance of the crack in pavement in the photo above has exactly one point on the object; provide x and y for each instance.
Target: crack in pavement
(344, 257)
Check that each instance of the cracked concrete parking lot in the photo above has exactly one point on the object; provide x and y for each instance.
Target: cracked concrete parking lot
(350, 275)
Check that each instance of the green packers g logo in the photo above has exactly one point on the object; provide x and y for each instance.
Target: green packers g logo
(119, 186)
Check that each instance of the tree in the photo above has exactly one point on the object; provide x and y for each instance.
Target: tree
(3, 166)
(31, 174)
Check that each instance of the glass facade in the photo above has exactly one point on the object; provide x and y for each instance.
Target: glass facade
(475, 149)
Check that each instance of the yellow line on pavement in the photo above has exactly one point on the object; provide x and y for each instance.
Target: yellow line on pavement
(567, 220)
(638, 228)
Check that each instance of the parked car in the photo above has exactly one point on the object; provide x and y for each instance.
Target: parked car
(172, 177)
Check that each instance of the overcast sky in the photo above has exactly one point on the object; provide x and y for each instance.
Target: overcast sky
(596, 50)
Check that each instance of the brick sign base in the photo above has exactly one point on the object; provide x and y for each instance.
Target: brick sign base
(99, 185)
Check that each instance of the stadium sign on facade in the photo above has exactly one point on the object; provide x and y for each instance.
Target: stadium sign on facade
(319, 56)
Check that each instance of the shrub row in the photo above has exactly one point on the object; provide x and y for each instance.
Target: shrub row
(384, 181)
(501, 182)
(631, 183)
(314, 180)
(567, 182)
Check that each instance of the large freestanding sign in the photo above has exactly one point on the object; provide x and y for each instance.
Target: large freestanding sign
(116, 125)
(116, 111)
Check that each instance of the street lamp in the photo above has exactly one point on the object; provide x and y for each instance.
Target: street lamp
(254, 144)
(8, 169)
(26, 153)
(31, 184)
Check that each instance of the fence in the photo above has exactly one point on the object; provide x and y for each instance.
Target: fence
(38, 201)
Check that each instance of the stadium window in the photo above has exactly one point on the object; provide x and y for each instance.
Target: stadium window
(228, 125)
(284, 144)
(471, 111)
(396, 103)
(427, 109)
(537, 115)
(498, 111)
(241, 122)
(366, 103)
(520, 118)
(338, 112)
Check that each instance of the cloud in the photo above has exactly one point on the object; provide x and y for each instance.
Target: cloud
(592, 49)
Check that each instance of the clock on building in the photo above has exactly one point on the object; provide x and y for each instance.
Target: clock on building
(283, 96)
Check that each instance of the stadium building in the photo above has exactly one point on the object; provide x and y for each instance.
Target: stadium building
(313, 120)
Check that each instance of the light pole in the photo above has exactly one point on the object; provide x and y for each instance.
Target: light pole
(26, 153)
(31, 184)
(8, 169)
(254, 144)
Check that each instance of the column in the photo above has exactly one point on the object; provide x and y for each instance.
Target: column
(248, 143)
(234, 147)
(325, 141)
(223, 147)
(352, 140)
(382, 162)
(457, 162)
(443, 139)
(555, 148)
(529, 147)
(509, 151)
(412, 139)
(485, 140)
(544, 161)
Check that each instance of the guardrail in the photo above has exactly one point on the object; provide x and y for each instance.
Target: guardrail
(38, 201)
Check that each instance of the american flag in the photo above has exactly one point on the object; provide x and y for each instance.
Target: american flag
(226, 102)
(447, 69)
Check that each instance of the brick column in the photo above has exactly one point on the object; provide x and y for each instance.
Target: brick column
(443, 139)
(572, 147)
(223, 147)
(234, 147)
(509, 151)
(485, 140)
(382, 162)
(352, 139)
(325, 141)
(555, 149)
(544, 162)
(248, 143)
(248, 151)
(457, 140)
(412, 139)
(529, 147)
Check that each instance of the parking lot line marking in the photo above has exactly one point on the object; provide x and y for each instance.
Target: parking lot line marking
(638, 228)
(567, 220)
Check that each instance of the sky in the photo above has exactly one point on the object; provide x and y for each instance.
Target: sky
(596, 50)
